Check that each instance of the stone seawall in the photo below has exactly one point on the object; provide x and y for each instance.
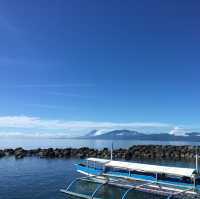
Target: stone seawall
(136, 151)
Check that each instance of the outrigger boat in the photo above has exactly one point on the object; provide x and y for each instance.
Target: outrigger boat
(170, 182)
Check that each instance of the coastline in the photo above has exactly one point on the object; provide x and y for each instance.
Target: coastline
(136, 151)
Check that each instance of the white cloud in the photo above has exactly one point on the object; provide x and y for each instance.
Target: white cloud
(35, 122)
(178, 131)
(46, 127)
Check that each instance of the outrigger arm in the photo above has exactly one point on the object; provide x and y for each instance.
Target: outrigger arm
(134, 187)
(66, 191)
(98, 188)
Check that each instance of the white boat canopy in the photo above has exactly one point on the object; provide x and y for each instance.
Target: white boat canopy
(177, 171)
(98, 160)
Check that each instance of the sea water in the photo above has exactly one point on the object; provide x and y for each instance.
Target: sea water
(77, 143)
(35, 178)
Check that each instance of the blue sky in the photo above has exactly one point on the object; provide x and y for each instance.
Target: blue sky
(117, 62)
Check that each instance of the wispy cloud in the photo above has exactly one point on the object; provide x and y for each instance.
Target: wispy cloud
(70, 128)
(65, 94)
(49, 106)
(53, 85)
(18, 121)
(31, 122)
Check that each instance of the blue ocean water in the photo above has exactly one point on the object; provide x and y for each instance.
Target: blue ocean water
(35, 178)
(76, 143)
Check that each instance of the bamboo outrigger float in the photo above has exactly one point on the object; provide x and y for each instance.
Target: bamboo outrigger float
(169, 182)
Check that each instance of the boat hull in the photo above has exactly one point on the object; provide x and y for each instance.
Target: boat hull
(96, 172)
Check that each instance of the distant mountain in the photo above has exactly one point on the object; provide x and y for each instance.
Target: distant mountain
(193, 134)
(114, 134)
(134, 135)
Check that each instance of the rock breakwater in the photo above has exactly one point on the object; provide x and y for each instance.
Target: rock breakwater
(136, 151)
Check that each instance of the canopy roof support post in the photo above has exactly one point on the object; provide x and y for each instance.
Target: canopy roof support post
(197, 160)
(111, 152)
